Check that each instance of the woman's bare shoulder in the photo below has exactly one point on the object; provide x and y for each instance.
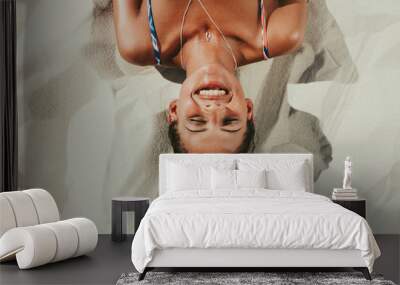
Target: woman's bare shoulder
(132, 32)
(286, 27)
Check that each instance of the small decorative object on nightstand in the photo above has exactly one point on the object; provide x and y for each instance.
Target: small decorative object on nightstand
(347, 173)
(120, 205)
(358, 206)
(346, 192)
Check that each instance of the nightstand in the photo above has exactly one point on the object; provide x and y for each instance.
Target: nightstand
(358, 206)
(120, 205)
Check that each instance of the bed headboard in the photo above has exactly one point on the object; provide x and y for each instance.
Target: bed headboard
(164, 158)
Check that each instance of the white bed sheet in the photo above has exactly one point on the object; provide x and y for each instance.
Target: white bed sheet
(251, 218)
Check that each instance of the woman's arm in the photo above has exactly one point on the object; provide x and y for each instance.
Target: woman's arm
(286, 27)
(132, 37)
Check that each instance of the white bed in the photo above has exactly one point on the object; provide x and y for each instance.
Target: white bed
(249, 227)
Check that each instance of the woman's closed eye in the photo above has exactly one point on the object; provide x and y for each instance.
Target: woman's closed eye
(197, 121)
(231, 124)
(198, 124)
(230, 121)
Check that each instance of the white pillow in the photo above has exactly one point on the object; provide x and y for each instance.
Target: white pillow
(193, 174)
(223, 179)
(288, 179)
(251, 178)
(237, 179)
(181, 177)
(281, 174)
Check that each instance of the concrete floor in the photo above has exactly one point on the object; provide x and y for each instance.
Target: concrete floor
(110, 260)
(102, 266)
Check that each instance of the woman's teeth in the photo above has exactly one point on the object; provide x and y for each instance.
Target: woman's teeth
(212, 92)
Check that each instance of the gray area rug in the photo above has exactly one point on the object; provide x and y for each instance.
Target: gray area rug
(269, 278)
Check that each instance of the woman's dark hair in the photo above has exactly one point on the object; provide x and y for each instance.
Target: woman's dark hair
(246, 146)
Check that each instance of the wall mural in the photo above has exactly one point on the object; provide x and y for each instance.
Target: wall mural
(211, 113)
(106, 87)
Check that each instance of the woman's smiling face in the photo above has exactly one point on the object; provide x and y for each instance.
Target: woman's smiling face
(211, 112)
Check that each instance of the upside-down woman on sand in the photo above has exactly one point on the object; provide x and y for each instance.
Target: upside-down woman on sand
(209, 39)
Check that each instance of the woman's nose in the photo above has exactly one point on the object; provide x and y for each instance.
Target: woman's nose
(213, 105)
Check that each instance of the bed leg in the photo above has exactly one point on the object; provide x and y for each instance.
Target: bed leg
(365, 272)
(143, 274)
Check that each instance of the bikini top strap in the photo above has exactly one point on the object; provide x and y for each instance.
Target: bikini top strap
(264, 30)
(155, 41)
(153, 34)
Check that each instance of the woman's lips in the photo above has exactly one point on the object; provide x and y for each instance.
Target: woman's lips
(212, 88)
(224, 98)
(213, 91)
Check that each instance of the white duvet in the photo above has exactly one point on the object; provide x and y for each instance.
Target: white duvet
(250, 218)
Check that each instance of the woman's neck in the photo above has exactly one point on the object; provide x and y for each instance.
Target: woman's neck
(198, 52)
